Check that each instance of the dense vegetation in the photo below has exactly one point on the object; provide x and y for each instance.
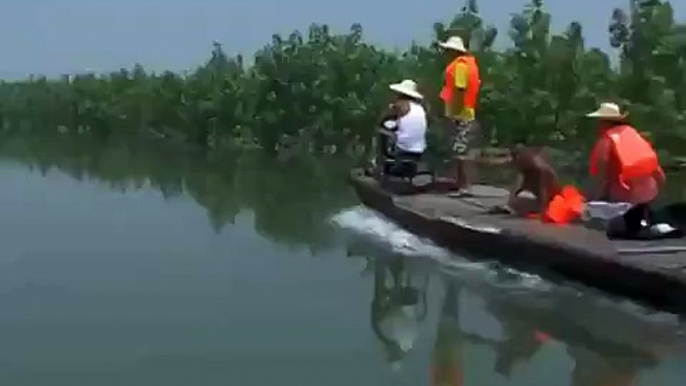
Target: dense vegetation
(324, 91)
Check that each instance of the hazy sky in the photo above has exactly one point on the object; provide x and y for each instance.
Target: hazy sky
(65, 36)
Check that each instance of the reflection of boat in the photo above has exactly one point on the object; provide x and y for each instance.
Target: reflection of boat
(654, 272)
(602, 348)
(607, 340)
(584, 320)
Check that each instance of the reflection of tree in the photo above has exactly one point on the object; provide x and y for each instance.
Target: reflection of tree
(214, 187)
(397, 307)
(291, 200)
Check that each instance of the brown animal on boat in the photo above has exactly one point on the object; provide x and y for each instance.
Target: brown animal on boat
(535, 175)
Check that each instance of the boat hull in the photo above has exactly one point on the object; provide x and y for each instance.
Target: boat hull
(657, 277)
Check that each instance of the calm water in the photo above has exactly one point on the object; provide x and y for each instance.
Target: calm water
(145, 265)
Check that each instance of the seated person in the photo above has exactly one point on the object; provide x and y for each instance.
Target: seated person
(406, 118)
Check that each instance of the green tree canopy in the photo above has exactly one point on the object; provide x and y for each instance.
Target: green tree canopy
(321, 91)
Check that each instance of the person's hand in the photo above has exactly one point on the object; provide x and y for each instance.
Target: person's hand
(390, 124)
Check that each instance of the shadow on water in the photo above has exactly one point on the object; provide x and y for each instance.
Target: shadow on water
(607, 341)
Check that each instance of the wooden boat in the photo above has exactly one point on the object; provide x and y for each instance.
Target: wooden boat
(652, 272)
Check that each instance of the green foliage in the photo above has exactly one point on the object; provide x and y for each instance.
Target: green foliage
(323, 92)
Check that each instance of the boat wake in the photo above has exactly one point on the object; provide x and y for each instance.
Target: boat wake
(388, 237)
(365, 222)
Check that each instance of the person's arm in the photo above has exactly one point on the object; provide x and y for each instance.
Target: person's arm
(517, 186)
(602, 178)
(391, 114)
(660, 177)
(429, 112)
(544, 184)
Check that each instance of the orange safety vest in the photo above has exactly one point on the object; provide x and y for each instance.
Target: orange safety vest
(562, 209)
(473, 81)
(565, 207)
(634, 154)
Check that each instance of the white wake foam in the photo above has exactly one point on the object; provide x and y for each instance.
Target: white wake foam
(380, 230)
(364, 221)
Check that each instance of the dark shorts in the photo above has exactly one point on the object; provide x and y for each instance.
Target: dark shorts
(464, 137)
(403, 164)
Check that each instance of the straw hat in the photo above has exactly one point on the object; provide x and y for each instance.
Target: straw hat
(454, 43)
(608, 111)
(407, 87)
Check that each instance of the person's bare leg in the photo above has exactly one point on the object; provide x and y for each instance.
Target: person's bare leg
(465, 171)
(465, 158)
(470, 168)
(461, 174)
(524, 204)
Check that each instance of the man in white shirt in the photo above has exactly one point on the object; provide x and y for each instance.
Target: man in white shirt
(406, 118)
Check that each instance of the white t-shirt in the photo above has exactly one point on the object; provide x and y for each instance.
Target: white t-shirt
(411, 133)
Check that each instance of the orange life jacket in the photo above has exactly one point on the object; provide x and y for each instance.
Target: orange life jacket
(634, 154)
(473, 81)
(565, 207)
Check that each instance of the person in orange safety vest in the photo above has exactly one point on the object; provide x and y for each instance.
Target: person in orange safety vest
(625, 166)
(460, 95)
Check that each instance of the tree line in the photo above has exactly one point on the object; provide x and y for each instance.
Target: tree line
(323, 92)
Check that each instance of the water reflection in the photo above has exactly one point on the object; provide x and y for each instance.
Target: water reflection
(413, 301)
(531, 321)
(291, 200)
(447, 356)
(397, 308)
(604, 341)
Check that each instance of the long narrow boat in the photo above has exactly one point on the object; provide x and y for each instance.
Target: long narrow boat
(652, 272)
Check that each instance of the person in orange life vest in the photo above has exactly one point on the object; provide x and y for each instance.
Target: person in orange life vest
(460, 95)
(625, 166)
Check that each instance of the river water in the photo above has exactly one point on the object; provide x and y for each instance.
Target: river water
(148, 265)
